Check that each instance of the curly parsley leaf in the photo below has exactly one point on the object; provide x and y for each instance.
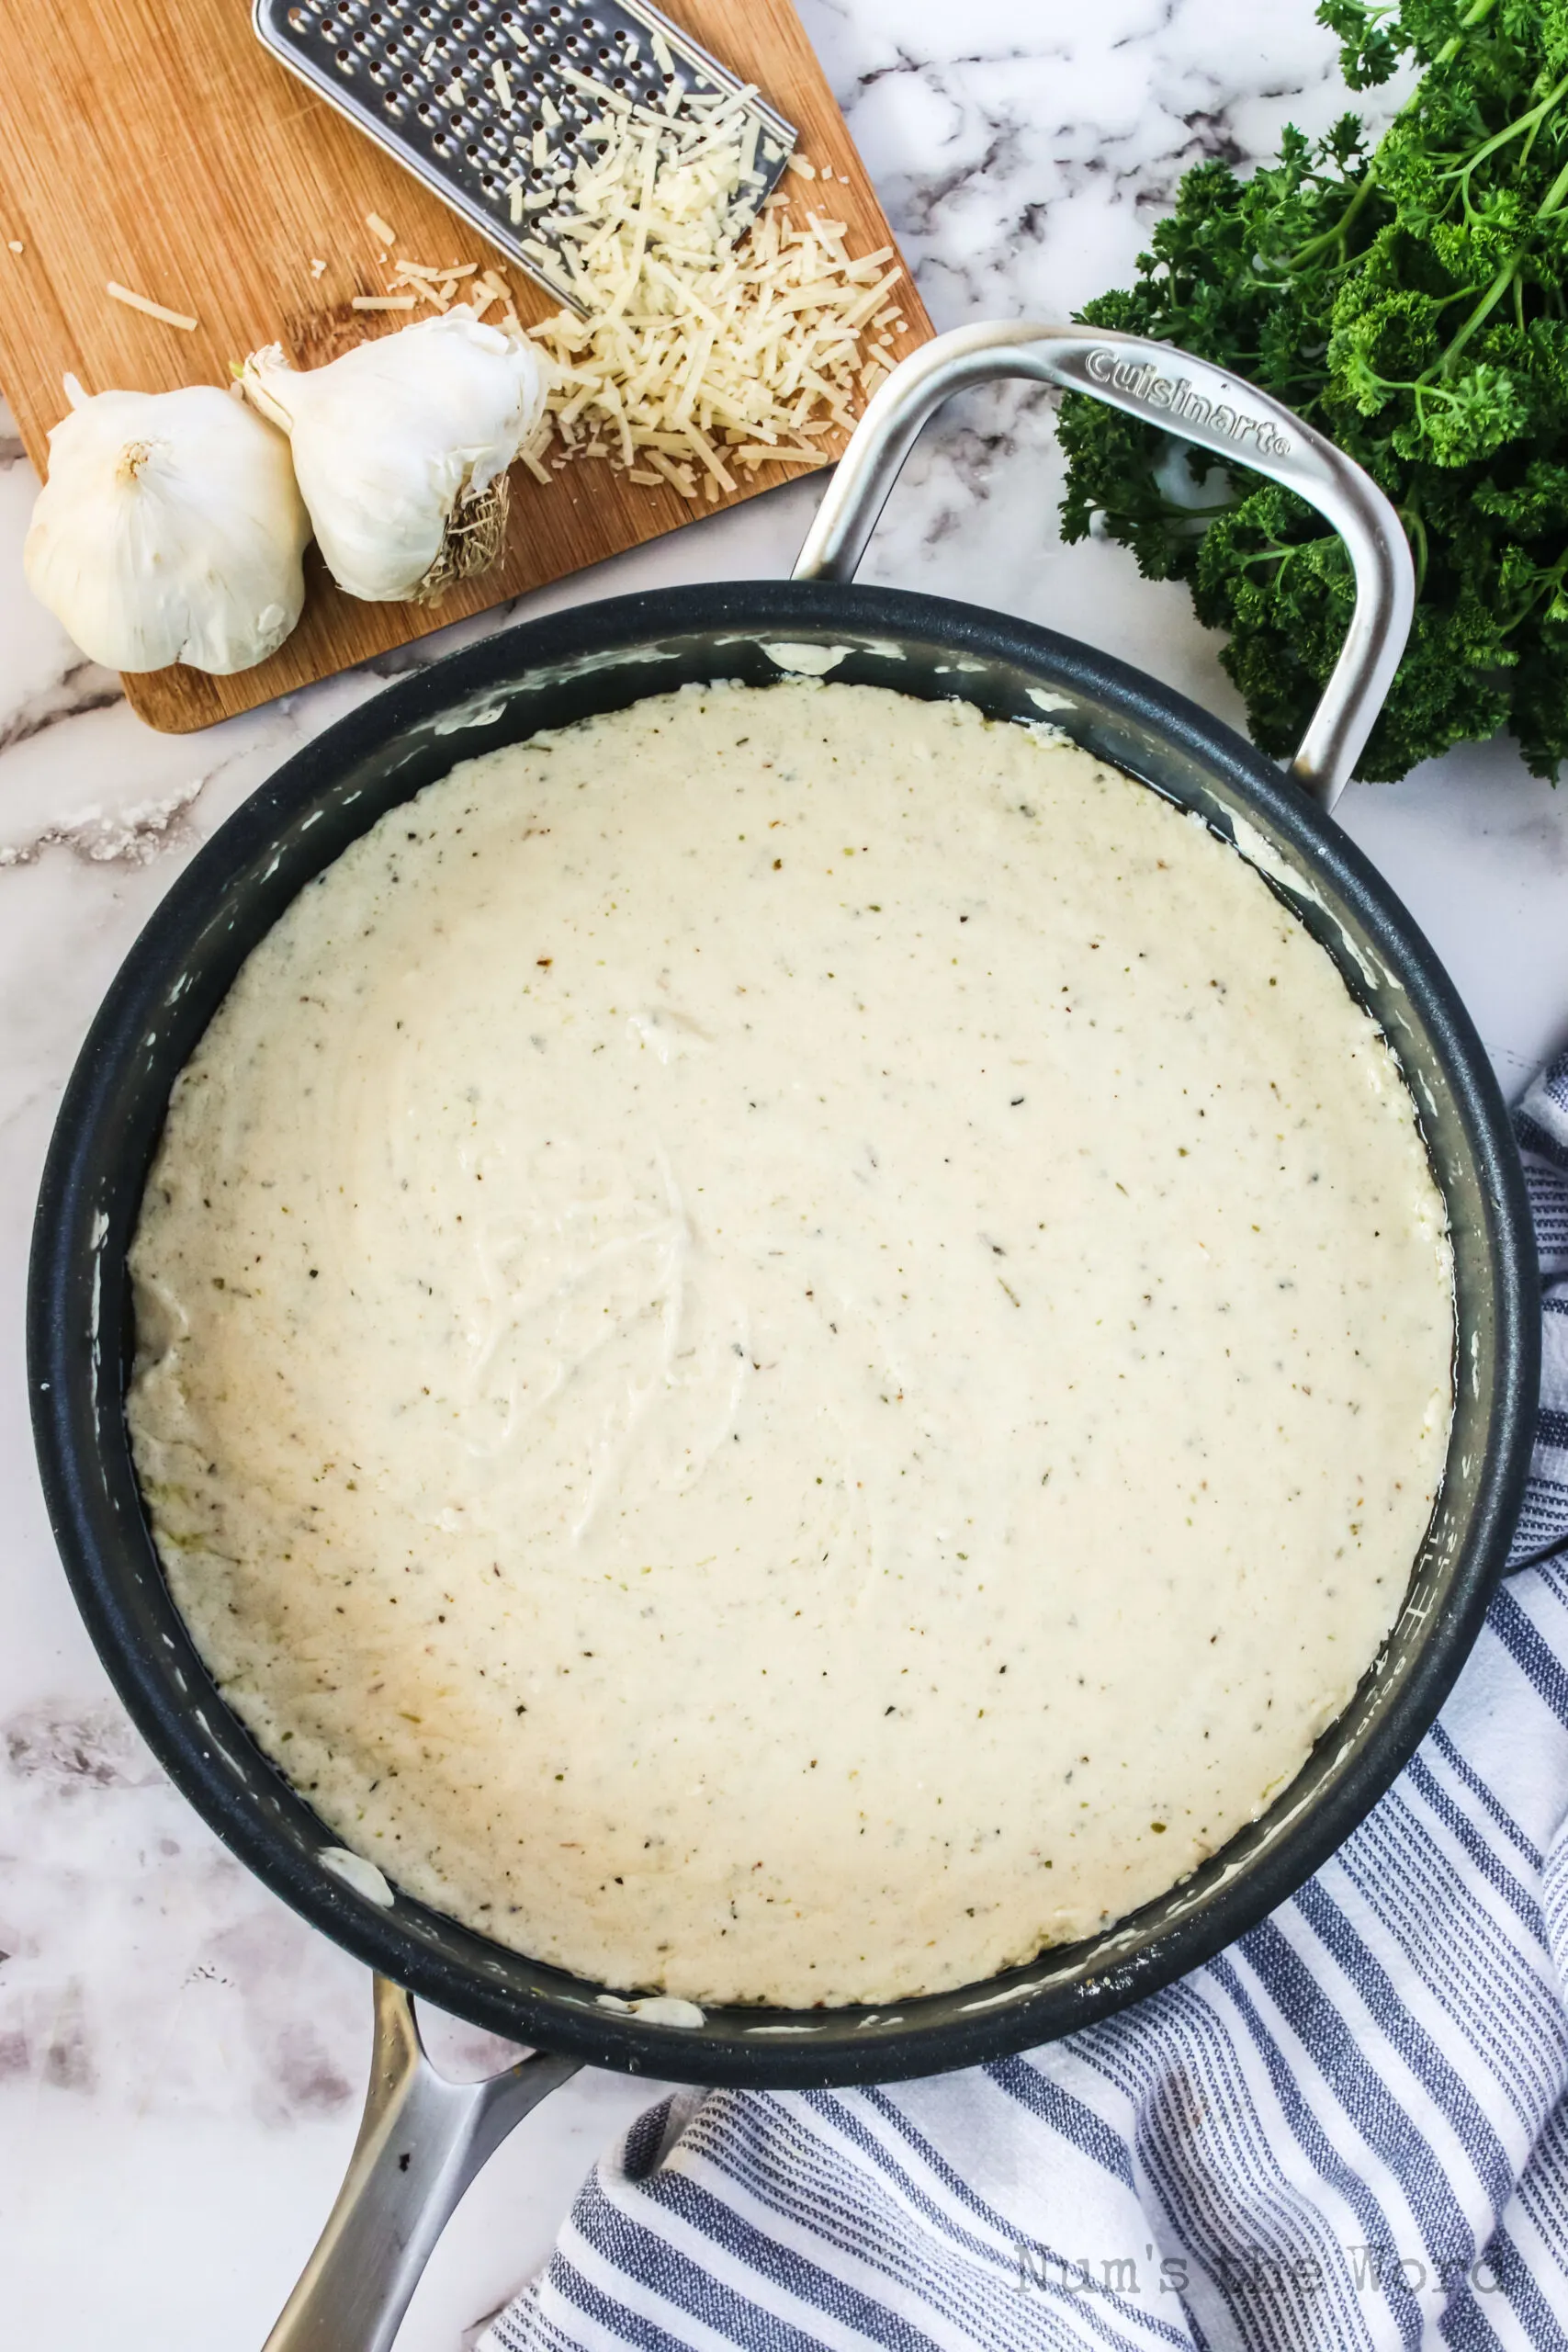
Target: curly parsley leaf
(1411, 300)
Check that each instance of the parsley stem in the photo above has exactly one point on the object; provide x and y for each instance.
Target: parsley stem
(1341, 229)
(1547, 586)
(1553, 199)
(1479, 316)
(1475, 15)
(1529, 122)
(1415, 532)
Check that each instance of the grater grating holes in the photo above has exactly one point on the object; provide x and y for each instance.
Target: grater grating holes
(421, 79)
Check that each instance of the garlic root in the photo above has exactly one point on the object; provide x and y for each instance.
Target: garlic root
(475, 535)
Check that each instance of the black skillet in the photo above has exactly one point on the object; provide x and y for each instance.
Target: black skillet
(423, 2138)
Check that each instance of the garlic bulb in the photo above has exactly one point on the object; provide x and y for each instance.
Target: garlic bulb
(401, 447)
(169, 529)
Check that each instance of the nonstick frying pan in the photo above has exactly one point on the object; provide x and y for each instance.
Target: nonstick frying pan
(423, 2138)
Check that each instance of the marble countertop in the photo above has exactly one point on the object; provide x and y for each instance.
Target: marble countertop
(181, 2061)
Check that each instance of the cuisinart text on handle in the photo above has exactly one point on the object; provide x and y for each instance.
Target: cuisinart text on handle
(1175, 396)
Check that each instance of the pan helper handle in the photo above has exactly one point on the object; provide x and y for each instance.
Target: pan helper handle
(1193, 401)
(421, 2141)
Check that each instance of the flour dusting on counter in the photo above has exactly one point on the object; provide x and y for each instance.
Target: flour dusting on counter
(790, 1344)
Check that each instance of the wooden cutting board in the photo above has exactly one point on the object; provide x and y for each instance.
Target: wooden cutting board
(157, 143)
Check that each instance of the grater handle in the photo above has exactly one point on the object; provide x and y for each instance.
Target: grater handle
(1187, 397)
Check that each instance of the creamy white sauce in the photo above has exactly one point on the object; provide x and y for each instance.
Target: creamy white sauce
(790, 1344)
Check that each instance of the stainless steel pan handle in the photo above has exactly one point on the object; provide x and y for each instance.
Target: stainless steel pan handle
(421, 2141)
(1197, 403)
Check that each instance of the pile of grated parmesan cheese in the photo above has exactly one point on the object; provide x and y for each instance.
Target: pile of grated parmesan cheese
(711, 346)
(705, 349)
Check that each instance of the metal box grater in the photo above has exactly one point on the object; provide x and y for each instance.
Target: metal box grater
(419, 77)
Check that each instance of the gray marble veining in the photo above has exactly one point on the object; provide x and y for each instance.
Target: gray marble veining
(180, 2061)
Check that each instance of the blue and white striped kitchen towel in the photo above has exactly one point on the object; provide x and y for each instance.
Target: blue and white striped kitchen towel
(1349, 2129)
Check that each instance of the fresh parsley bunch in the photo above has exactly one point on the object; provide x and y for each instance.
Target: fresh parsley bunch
(1410, 299)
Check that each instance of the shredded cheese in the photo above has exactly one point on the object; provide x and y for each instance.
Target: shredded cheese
(181, 319)
(712, 344)
(705, 352)
(379, 228)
